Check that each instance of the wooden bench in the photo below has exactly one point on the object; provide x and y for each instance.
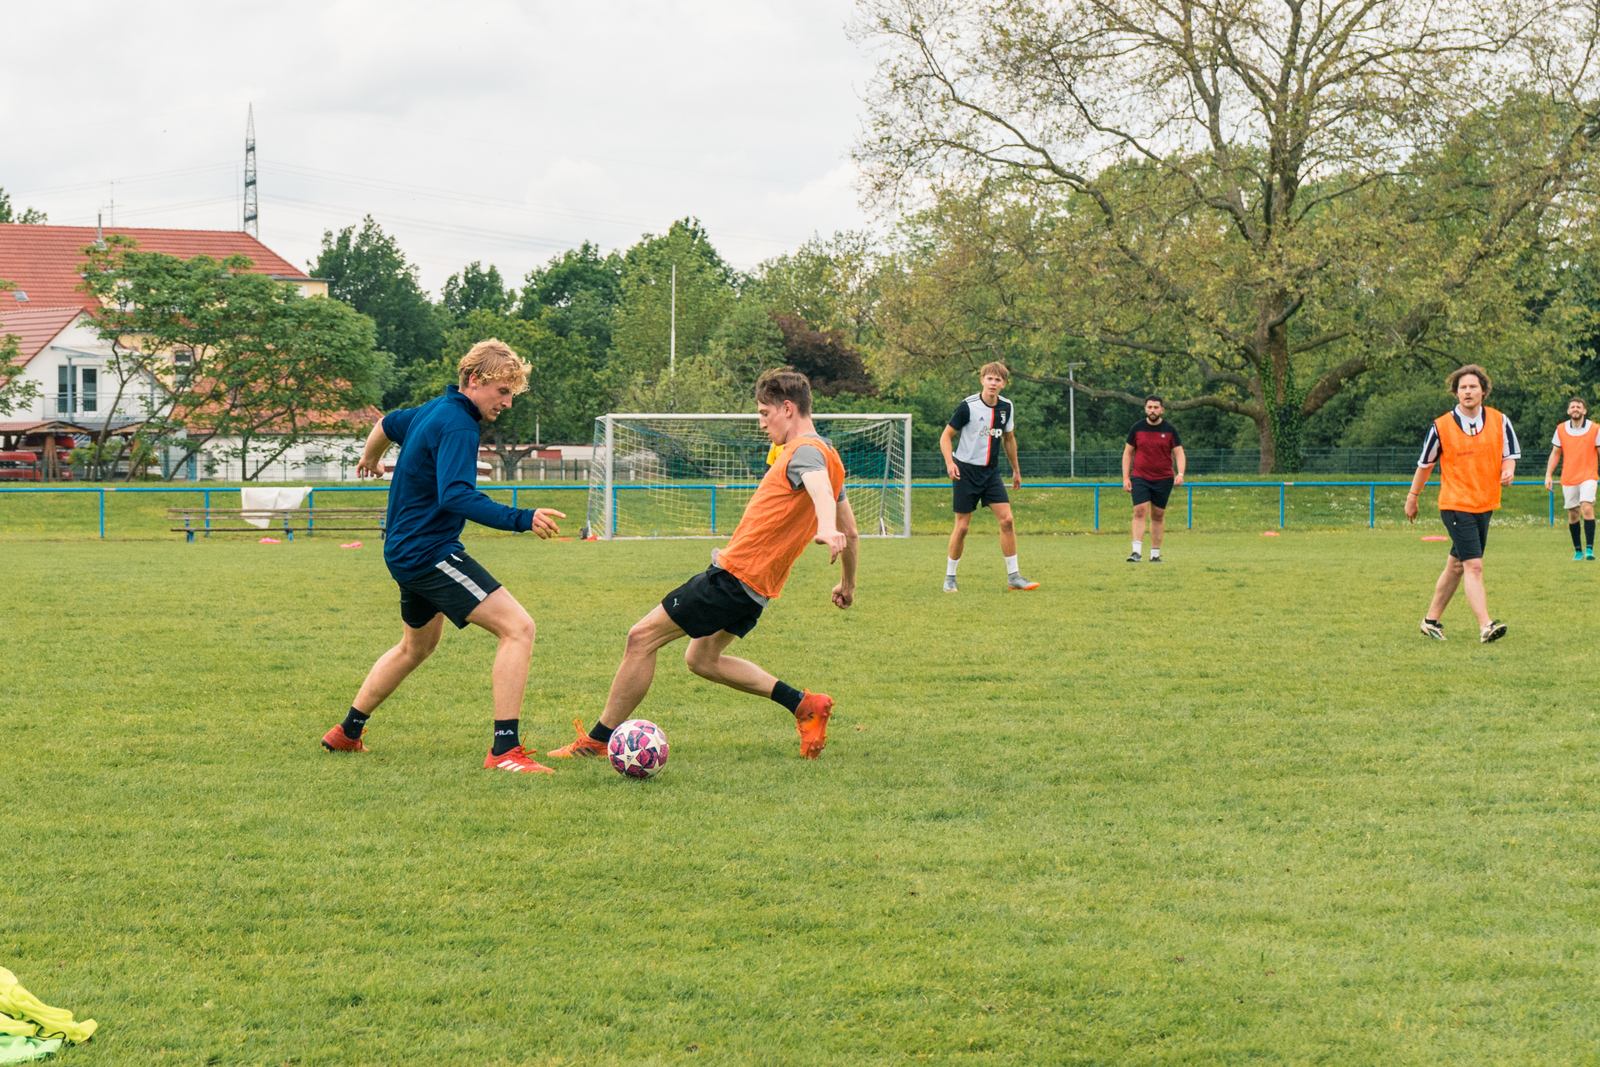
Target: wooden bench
(280, 520)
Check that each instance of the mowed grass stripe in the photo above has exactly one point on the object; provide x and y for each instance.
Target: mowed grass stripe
(1229, 808)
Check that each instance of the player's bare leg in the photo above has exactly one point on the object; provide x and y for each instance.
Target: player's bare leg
(393, 667)
(705, 657)
(958, 542)
(1456, 575)
(1008, 547)
(638, 668)
(501, 615)
(1158, 526)
(1141, 512)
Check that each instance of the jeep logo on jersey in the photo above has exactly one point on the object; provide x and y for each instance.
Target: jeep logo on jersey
(997, 433)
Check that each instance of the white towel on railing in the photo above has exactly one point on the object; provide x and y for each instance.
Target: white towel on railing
(275, 499)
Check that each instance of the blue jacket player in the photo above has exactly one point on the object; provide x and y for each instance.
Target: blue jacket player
(433, 494)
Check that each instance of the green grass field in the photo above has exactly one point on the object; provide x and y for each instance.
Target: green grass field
(1231, 809)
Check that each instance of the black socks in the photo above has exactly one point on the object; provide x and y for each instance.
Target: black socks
(1572, 528)
(1588, 532)
(600, 732)
(353, 724)
(505, 736)
(788, 696)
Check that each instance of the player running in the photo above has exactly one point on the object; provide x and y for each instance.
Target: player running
(433, 493)
(1574, 446)
(972, 459)
(1477, 452)
(1148, 473)
(800, 500)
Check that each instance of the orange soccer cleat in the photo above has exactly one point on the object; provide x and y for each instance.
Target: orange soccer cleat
(811, 717)
(515, 760)
(335, 741)
(583, 746)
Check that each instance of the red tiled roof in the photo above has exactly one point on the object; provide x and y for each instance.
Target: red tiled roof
(34, 327)
(43, 261)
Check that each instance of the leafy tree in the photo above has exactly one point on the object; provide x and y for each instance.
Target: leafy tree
(564, 395)
(832, 284)
(368, 271)
(576, 294)
(476, 289)
(723, 377)
(15, 392)
(29, 216)
(824, 357)
(641, 332)
(1253, 204)
(208, 351)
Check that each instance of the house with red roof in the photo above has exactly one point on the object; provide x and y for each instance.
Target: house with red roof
(49, 314)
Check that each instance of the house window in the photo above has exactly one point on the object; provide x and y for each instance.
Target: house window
(89, 395)
(64, 390)
(183, 355)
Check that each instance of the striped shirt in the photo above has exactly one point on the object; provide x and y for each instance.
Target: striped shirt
(1470, 427)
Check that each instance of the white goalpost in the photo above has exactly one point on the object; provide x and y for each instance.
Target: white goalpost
(660, 475)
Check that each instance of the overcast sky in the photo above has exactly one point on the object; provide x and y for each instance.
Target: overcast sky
(484, 130)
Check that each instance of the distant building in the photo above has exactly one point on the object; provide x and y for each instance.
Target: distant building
(60, 351)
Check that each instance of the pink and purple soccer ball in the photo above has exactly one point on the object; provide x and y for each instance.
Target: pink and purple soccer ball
(638, 748)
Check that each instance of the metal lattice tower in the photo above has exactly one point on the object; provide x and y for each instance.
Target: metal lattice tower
(252, 225)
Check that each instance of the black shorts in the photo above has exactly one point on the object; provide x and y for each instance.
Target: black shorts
(1468, 530)
(710, 601)
(457, 584)
(977, 485)
(1152, 491)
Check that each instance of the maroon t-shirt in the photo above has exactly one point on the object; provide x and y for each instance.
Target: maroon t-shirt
(1152, 449)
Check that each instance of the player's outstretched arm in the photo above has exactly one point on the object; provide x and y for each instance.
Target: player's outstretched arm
(946, 445)
(844, 594)
(1418, 480)
(370, 464)
(822, 502)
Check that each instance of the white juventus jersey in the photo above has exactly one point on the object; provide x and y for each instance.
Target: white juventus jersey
(979, 428)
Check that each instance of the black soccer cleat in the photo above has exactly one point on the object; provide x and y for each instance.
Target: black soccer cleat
(1134, 558)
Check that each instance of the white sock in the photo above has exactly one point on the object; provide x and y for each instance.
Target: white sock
(950, 567)
(1011, 565)
(1137, 545)
(1155, 553)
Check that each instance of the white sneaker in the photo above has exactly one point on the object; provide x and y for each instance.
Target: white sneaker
(950, 583)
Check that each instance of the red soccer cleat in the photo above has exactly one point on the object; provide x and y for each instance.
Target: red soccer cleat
(584, 745)
(335, 741)
(811, 717)
(515, 760)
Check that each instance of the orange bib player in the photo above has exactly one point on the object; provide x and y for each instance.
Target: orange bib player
(1476, 449)
(800, 500)
(1573, 447)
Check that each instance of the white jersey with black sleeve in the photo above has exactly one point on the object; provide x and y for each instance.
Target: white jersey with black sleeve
(979, 428)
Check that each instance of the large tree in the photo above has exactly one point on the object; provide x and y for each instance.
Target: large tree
(1276, 196)
(367, 270)
(207, 352)
(576, 294)
(680, 260)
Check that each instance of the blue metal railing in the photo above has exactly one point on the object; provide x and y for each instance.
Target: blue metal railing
(311, 497)
(1282, 487)
(1095, 487)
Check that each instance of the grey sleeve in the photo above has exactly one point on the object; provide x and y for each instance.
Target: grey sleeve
(806, 458)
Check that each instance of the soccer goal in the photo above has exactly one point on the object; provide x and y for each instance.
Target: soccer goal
(691, 475)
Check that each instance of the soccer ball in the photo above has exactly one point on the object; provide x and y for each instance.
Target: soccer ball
(638, 748)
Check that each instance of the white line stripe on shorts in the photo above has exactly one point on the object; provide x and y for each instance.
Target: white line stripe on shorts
(467, 583)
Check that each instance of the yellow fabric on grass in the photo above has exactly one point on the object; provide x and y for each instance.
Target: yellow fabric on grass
(23, 1006)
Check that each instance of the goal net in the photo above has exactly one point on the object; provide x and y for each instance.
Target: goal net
(692, 475)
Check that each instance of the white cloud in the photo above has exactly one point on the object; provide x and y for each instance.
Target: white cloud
(483, 129)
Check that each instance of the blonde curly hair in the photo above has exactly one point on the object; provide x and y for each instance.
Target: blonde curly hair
(494, 361)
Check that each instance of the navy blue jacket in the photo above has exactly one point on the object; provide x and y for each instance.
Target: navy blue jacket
(435, 486)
